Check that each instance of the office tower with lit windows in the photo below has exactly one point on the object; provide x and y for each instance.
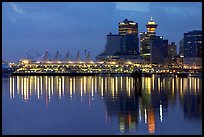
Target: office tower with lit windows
(127, 26)
(192, 47)
(145, 45)
(193, 44)
(124, 45)
(129, 30)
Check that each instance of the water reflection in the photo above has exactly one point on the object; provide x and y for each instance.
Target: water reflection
(130, 100)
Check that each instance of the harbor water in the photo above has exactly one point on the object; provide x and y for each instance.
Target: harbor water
(101, 105)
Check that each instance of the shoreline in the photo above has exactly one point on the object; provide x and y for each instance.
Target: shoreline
(109, 74)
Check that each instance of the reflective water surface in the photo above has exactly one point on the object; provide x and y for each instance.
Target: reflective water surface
(101, 105)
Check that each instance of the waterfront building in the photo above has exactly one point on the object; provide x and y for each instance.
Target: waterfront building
(191, 47)
(145, 38)
(158, 50)
(120, 58)
(171, 52)
(47, 57)
(171, 49)
(181, 47)
(129, 30)
(145, 45)
(151, 26)
(114, 43)
(57, 58)
(127, 26)
(67, 57)
(88, 57)
(130, 44)
(27, 58)
(78, 57)
(125, 43)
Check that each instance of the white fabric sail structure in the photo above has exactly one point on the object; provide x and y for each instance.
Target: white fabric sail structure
(78, 58)
(37, 56)
(46, 58)
(67, 58)
(88, 57)
(57, 58)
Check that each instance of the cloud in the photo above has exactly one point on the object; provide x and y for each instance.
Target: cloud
(16, 8)
(133, 6)
(177, 8)
(77, 26)
(55, 26)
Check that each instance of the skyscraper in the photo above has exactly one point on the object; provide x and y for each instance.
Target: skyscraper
(130, 44)
(127, 26)
(158, 50)
(145, 39)
(192, 47)
(129, 30)
(193, 44)
(113, 44)
(124, 45)
(171, 50)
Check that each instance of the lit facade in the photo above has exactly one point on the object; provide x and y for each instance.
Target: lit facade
(129, 30)
(127, 26)
(193, 44)
(192, 47)
(125, 43)
(144, 45)
(146, 37)
(151, 26)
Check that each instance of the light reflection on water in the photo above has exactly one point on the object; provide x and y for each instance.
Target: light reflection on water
(134, 103)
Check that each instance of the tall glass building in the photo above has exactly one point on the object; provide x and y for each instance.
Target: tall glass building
(129, 30)
(191, 47)
(192, 43)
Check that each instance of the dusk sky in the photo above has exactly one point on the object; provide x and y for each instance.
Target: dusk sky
(39, 26)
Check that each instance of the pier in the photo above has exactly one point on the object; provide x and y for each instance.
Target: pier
(104, 68)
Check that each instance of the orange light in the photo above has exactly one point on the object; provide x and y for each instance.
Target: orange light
(151, 122)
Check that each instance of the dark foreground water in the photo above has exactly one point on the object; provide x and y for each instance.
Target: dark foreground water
(101, 105)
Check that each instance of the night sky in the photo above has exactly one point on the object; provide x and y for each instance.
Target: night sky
(38, 26)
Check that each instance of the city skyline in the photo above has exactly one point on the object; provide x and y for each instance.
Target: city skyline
(87, 25)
